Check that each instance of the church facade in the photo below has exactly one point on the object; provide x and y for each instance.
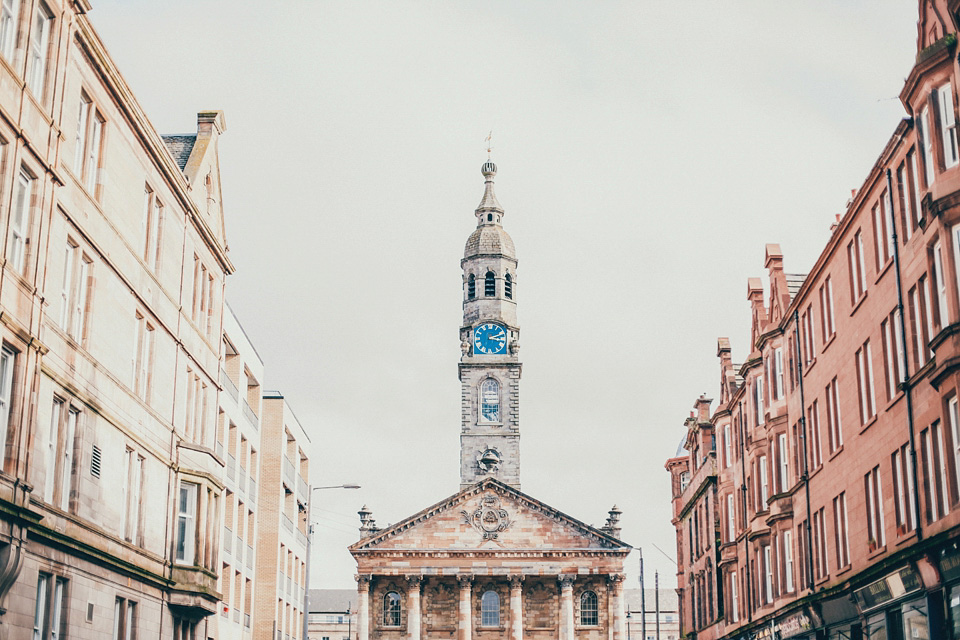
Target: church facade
(490, 561)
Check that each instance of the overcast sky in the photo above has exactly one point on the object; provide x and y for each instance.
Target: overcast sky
(647, 151)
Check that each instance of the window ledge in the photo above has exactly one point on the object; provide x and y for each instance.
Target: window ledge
(836, 452)
(830, 340)
(858, 303)
(846, 568)
(867, 424)
(909, 536)
(879, 551)
(894, 400)
(809, 365)
(883, 270)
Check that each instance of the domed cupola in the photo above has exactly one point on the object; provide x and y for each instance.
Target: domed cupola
(489, 237)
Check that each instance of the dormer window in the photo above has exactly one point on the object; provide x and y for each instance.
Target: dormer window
(508, 286)
(471, 287)
(490, 285)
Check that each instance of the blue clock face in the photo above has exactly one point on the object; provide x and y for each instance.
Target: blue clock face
(489, 339)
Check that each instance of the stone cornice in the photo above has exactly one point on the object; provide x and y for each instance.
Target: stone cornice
(491, 553)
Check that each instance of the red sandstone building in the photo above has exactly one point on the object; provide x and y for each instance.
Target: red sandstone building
(821, 497)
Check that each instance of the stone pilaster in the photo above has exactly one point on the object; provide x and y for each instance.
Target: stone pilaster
(465, 619)
(363, 607)
(566, 607)
(413, 607)
(615, 593)
(516, 607)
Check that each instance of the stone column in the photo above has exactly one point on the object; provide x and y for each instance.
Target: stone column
(465, 620)
(615, 592)
(413, 607)
(516, 607)
(566, 607)
(363, 607)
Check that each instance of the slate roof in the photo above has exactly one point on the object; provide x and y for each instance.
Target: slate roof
(180, 147)
(668, 600)
(332, 600)
(794, 282)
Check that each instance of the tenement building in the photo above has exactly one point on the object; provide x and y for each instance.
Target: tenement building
(490, 561)
(111, 290)
(821, 497)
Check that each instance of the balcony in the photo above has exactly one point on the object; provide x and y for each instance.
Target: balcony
(301, 538)
(246, 620)
(240, 546)
(252, 493)
(249, 557)
(219, 449)
(289, 473)
(242, 482)
(227, 540)
(251, 417)
(302, 489)
(287, 523)
(228, 386)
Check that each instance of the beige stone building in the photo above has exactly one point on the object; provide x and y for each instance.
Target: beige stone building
(238, 444)
(332, 614)
(281, 548)
(112, 267)
(490, 561)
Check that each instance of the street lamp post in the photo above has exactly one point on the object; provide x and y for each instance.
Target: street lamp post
(306, 578)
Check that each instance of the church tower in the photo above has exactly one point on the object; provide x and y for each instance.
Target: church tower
(490, 343)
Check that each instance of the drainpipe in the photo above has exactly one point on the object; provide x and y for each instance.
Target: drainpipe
(743, 506)
(905, 383)
(805, 478)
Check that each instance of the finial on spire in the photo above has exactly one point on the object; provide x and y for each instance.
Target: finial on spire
(489, 140)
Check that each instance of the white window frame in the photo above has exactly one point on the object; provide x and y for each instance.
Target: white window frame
(764, 487)
(482, 394)
(40, 606)
(733, 597)
(768, 576)
(20, 221)
(784, 462)
(731, 519)
(185, 547)
(758, 400)
(66, 470)
(948, 126)
(924, 124)
(39, 49)
(8, 359)
(53, 450)
(787, 541)
(727, 462)
(941, 284)
(778, 370)
(9, 17)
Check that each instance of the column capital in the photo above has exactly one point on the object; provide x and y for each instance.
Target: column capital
(515, 581)
(465, 580)
(414, 581)
(566, 581)
(363, 580)
(615, 578)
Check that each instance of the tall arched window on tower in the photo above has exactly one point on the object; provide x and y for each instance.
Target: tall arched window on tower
(391, 609)
(471, 287)
(490, 609)
(490, 401)
(490, 285)
(588, 609)
(508, 286)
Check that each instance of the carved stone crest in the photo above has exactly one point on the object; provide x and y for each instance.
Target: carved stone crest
(488, 519)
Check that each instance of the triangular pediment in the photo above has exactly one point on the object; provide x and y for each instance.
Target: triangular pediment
(490, 515)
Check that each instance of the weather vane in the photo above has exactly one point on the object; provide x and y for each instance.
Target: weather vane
(489, 140)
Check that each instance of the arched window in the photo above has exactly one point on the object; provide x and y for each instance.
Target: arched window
(588, 609)
(490, 285)
(471, 287)
(490, 609)
(490, 401)
(391, 609)
(508, 286)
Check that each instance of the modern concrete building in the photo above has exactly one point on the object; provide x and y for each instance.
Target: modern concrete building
(281, 548)
(238, 443)
(490, 561)
(332, 614)
(656, 616)
(111, 289)
(828, 473)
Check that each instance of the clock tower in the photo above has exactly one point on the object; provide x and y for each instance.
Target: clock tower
(490, 344)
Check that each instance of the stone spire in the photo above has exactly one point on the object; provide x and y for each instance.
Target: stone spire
(489, 210)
